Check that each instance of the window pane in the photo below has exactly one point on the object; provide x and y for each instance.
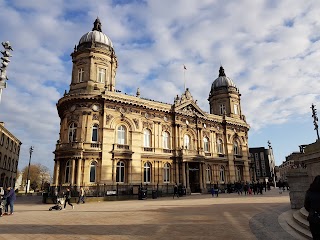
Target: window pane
(93, 172)
(95, 133)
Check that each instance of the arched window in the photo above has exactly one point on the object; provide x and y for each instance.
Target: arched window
(2, 139)
(7, 142)
(147, 173)
(236, 148)
(166, 173)
(208, 174)
(222, 174)
(121, 135)
(68, 172)
(165, 140)
(120, 172)
(1, 160)
(4, 162)
(9, 164)
(219, 146)
(205, 144)
(147, 138)
(93, 171)
(72, 132)
(95, 128)
(2, 179)
(80, 74)
(187, 141)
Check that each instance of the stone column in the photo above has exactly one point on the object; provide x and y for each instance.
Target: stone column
(177, 172)
(201, 176)
(188, 183)
(184, 183)
(56, 172)
(129, 172)
(204, 170)
(79, 175)
(73, 162)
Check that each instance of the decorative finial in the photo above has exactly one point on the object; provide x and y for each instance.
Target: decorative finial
(221, 72)
(97, 25)
(138, 92)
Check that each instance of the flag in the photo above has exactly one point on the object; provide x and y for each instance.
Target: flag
(184, 67)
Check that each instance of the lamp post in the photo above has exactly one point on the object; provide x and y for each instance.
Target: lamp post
(30, 151)
(315, 119)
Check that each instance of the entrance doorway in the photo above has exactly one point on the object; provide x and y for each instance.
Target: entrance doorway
(194, 177)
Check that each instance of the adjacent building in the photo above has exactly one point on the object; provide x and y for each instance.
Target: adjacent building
(9, 157)
(107, 137)
(263, 163)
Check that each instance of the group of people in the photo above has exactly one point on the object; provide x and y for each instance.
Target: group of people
(8, 198)
(249, 188)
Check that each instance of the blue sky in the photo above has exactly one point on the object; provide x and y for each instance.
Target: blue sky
(270, 49)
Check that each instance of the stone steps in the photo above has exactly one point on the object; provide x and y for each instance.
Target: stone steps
(298, 222)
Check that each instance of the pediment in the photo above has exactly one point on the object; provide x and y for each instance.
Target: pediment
(190, 108)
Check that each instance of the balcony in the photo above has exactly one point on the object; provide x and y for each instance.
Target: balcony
(121, 150)
(166, 150)
(71, 145)
(148, 149)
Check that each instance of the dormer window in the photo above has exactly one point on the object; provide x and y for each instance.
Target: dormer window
(80, 74)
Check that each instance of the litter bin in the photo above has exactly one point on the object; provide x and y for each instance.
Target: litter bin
(142, 194)
(44, 197)
(154, 194)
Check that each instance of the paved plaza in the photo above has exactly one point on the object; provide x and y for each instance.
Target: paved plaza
(229, 216)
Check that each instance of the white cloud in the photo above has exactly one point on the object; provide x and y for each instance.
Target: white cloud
(269, 48)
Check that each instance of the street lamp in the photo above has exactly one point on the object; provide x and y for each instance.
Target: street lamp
(30, 151)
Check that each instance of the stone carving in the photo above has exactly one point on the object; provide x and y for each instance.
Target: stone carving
(73, 117)
(108, 118)
(136, 122)
(95, 117)
(148, 125)
(166, 128)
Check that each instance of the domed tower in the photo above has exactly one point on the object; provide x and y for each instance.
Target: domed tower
(94, 63)
(224, 97)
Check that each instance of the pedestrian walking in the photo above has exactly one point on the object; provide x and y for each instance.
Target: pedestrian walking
(216, 190)
(81, 196)
(175, 191)
(10, 198)
(312, 205)
(67, 197)
(212, 191)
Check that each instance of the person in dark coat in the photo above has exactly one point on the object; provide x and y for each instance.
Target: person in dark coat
(10, 198)
(175, 191)
(312, 205)
(68, 198)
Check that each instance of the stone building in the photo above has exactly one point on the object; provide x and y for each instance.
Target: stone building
(264, 163)
(9, 157)
(292, 161)
(107, 137)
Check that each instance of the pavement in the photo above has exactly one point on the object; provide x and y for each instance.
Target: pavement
(197, 216)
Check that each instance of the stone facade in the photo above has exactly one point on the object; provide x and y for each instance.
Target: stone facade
(9, 157)
(107, 137)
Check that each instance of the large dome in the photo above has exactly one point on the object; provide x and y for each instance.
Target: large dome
(96, 35)
(222, 80)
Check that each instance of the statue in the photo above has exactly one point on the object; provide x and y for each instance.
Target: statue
(97, 25)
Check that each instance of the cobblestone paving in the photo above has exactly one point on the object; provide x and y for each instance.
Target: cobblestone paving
(229, 216)
(265, 225)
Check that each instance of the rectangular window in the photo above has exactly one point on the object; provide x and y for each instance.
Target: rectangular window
(258, 172)
(256, 156)
(262, 156)
(222, 109)
(101, 75)
(80, 75)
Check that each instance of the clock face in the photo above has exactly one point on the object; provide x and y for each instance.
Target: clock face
(95, 107)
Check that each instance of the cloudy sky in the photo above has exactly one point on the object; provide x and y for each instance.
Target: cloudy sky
(271, 50)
